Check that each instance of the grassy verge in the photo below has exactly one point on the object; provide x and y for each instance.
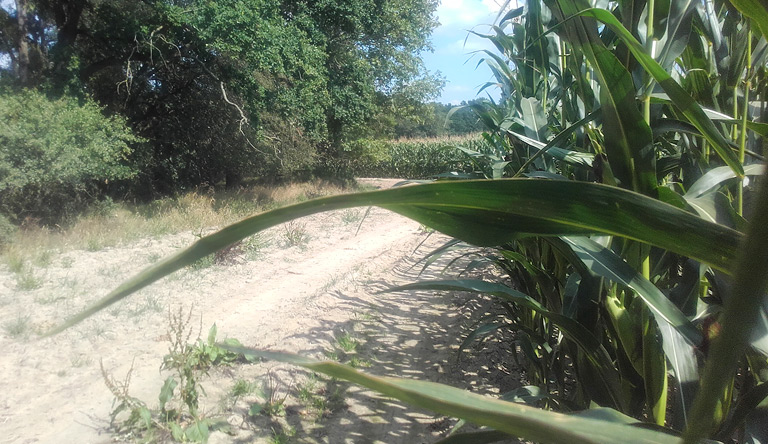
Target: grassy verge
(117, 223)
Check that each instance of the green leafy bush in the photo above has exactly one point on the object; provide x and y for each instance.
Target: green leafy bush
(56, 153)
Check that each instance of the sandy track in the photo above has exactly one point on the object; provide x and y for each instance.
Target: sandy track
(297, 299)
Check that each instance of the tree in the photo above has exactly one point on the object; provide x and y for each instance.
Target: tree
(229, 88)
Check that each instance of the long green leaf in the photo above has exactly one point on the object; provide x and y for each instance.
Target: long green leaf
(575, 158)
(508, 417)
(677, 94)
(486, 213)
(603, 262)
(716, 176)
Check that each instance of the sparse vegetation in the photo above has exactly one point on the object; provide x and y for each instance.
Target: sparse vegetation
(178, 415)
(296, 234)
(20, 327)
(27, 280)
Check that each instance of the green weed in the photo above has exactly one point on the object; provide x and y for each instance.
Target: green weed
(242, 388)
(351, 216)
(44, 258)
(296, 234)
(26, 280)
(347, 342)
(17, 328)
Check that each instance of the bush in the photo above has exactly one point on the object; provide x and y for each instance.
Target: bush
(57, 154)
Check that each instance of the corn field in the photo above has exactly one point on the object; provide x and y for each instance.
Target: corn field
(624, 206)
(410, 158)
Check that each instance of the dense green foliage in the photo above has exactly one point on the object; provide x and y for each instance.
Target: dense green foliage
(225, 90)
(57, 153)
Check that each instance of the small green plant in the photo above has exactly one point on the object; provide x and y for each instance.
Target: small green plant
(139, 418)
(296, 234)
(358, 362)
(320, 398)
(253, 246)
(26, 280)
(94, 244)
(242, 388)
(347, 342)
(50, 299)
(203, 263)
(17, 328)
(80, 360)
(351, 216)
(44, 258)
(151, 305)
(273, 403)
(282, 436)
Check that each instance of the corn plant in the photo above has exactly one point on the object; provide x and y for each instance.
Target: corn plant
(639, 272)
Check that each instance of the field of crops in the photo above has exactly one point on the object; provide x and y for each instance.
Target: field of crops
(411, 158)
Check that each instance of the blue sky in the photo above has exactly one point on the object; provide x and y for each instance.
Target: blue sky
(452, 54)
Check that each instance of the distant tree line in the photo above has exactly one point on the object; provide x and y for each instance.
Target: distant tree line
(176, 94)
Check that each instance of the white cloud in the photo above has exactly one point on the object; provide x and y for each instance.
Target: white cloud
(465, 12)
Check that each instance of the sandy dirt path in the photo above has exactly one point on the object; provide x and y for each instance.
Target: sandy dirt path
(273, 295)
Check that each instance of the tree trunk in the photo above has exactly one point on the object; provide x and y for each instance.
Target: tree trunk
(22, 66)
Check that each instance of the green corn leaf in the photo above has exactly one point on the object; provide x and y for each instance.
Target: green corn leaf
(603, 262)
(572, 157)
(628, 138)
(575, 158)
(485, 213)
(715, 178)
(515, 419)
(481, 332)
(755, 10)
(534, 118)
(680, 336)
(677, 32)
(676, 93)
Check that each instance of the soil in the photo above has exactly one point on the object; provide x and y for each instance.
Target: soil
(311, 287)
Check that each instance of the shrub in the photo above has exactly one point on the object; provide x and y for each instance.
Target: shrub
(56, 153)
